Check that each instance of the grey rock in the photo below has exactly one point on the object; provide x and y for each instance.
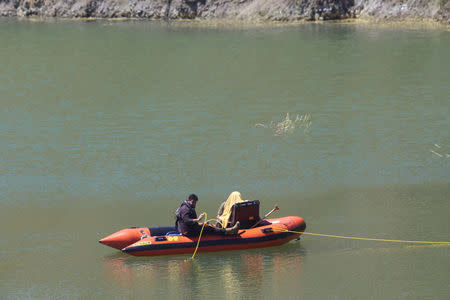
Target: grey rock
(274, 10)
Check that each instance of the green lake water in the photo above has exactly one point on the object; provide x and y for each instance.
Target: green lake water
(106, 125)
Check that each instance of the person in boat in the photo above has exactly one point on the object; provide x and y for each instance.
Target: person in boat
(225, 210)
(219, 213)
(187, 222)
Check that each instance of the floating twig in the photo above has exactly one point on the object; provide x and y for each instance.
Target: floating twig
(434, 152)
(288, 125)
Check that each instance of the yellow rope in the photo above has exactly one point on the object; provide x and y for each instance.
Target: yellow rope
(200, 236)
(213, 220)
(327, 235)
(219, 221)
(358, 238)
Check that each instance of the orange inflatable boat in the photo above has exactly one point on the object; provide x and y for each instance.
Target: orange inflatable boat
(150, 241)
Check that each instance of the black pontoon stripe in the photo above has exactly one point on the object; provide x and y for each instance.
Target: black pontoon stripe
(220, 242)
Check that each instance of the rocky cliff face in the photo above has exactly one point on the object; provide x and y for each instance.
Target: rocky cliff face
(276, 10)
(403, 9)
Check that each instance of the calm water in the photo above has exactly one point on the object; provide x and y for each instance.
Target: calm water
(109, 125)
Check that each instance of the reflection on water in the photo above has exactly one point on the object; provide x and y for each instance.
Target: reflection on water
(254, 274)
(117, 271)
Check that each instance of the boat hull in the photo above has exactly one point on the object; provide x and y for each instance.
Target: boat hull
(273, 232)
(125, 237)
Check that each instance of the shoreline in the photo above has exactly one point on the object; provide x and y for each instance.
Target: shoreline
(406, 23)
(409, 13)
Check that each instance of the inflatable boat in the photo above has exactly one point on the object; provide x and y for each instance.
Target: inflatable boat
(254, 233)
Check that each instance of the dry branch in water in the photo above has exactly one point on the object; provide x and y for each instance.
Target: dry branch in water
(288, 126)
(439, 148)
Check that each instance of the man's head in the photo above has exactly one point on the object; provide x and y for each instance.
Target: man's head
(192, 200)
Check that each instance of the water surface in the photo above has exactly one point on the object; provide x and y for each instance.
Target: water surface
(105, 125)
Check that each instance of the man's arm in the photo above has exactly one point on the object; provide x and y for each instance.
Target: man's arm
(187, 217)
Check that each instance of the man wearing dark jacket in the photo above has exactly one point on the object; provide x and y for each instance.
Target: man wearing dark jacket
(187, 222)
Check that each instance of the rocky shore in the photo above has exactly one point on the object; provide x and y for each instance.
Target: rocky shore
(243, 10)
